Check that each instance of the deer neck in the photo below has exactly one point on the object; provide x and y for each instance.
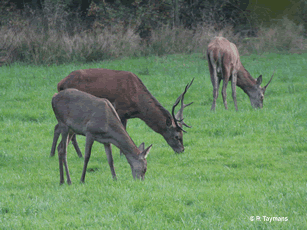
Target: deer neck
(131, 158)
(153, 113)
(129, 149)
(123, 141)
(245, 81)
(118, 136)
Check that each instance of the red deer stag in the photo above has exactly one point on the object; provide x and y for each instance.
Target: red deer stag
(224, 64)
(96, 119)
(131, 99)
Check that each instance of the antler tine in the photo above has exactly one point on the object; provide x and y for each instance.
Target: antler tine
(185, 105)
(173, 110)
(178, 100)
(187, 87)
(270, 79)
(179, 115)
(186, 124)
(175, 104)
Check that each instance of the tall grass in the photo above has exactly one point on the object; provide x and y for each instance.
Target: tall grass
(282, 36)
(27, 43)
(54, 47)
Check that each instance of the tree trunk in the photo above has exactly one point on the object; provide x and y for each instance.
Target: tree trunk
(176, 13)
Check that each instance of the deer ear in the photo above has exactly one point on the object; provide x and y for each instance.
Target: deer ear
(259, 80)
(142, 147)
(168, 121)
(146, 152)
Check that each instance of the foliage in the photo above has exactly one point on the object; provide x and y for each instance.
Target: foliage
(282, 36)
(54, 34)
(56, 46)
(220, 12)
(146, 14)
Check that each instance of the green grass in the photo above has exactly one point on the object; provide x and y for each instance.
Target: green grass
(236, 164)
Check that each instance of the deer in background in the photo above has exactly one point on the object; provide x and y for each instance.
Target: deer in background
(131, 99)
(224, 64)
(96, 119)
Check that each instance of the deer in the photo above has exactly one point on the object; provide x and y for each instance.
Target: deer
(224, 64)
(131, 99)
(95, 118)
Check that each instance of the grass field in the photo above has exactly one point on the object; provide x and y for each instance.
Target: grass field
(237, 166)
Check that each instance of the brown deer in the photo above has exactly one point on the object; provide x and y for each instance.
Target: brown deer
(131, 99)
(224, 64)
(96, 119)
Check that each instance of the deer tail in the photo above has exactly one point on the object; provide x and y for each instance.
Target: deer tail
(211, 59)
(219, 62)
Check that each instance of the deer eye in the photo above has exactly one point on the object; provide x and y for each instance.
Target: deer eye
(178, 138)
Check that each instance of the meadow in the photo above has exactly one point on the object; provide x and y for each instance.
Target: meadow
(237, 168)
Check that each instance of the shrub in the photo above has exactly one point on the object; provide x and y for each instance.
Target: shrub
(45, 37)
(282, 36)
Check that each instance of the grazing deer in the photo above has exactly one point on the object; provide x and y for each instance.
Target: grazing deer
(131, 99)
(96, 119)
(224, 64)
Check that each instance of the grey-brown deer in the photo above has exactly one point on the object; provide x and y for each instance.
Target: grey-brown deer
(80, 113)
(131, 99)
(224, 64)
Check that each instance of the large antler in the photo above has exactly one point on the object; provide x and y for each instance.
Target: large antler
(179, 115)
(269, 80)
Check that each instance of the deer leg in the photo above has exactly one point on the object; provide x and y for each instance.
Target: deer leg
(60, 153)
(70, 135)
(215, 83)
(56, 135)
(66, 168)
(87, 154)
(62, 150)
(214, 79)
(75, 144)
(110, 159)
(233, 86)
(224, 94)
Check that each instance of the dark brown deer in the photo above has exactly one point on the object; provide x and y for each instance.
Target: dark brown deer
(224, 64)
(95, 118)
(131, 99)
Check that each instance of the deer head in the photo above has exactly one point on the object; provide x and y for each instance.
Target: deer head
(174, 136)
(139, 166)
(256, 94)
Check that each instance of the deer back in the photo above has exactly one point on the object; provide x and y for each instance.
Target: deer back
(121, 88)
(84, 113)
(130, 97)
(225, 54)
